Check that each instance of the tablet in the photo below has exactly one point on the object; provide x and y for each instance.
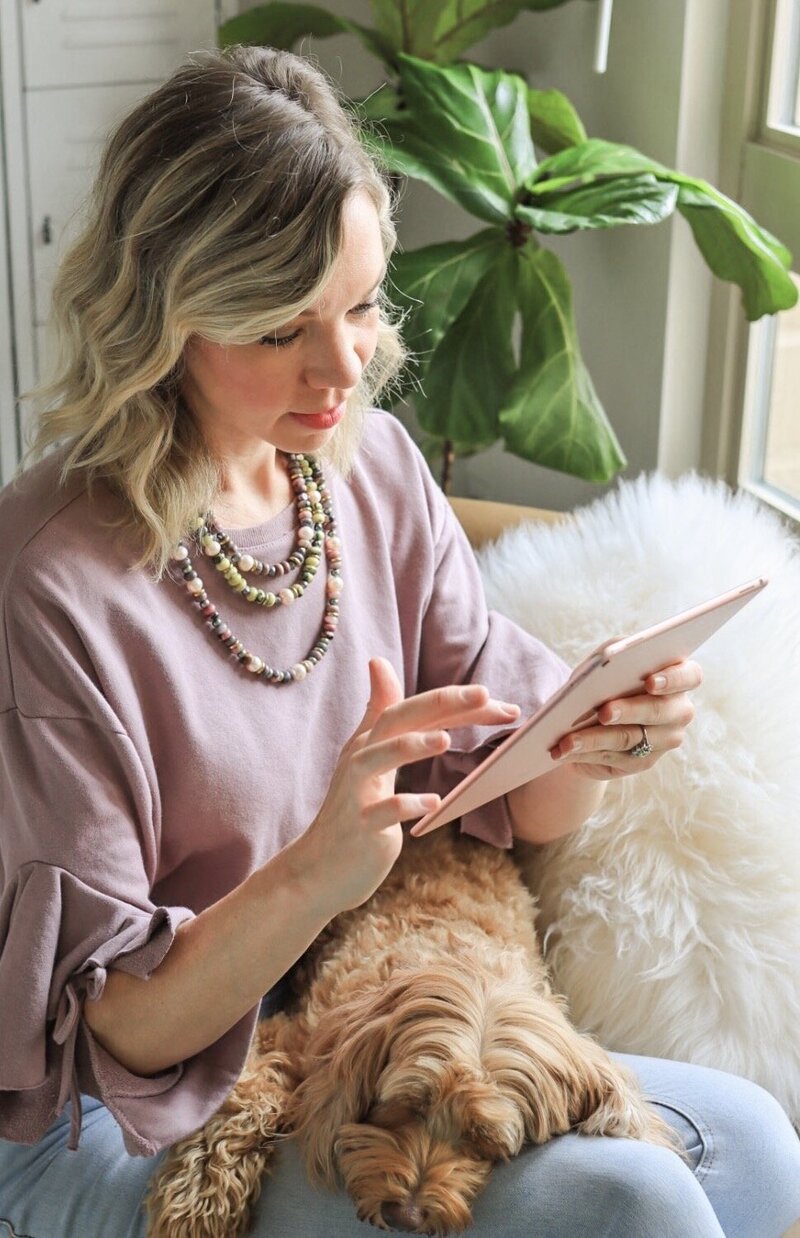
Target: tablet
(616, 668)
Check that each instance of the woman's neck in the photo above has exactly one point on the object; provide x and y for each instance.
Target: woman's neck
(243, 503)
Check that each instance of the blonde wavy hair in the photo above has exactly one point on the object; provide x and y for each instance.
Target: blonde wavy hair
(216, 210)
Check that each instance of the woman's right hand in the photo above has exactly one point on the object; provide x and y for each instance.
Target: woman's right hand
(355, 838)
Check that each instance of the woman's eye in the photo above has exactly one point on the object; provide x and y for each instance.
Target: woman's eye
(280, 341)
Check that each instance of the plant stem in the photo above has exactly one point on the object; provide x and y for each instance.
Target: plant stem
(518, 232)
(448, 457)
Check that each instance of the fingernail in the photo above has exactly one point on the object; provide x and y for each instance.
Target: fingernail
(659, 681)
(510, 711)
(615, 714)
(471, 695)
(576, 745)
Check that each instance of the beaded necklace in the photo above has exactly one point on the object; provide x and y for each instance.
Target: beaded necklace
(317, 527)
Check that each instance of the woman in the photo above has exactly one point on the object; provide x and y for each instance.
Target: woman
(185, 803)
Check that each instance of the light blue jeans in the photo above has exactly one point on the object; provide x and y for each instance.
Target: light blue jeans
(743, 1181)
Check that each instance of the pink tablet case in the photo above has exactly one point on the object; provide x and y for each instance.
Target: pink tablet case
(617, 668)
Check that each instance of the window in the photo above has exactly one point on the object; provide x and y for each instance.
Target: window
(783, 90)
(769, 442)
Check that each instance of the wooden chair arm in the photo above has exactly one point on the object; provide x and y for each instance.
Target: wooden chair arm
(483, 520)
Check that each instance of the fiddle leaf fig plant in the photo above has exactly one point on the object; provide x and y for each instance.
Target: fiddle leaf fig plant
(435, 30)
(466, 132)
(489, 320)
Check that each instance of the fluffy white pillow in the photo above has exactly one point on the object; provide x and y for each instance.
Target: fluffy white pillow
(671, 919)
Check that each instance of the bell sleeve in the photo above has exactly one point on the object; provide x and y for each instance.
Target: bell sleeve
(75, 903)
(462, 641)
(79, 845)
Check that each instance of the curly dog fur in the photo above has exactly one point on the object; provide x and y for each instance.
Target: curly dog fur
(422, 1045)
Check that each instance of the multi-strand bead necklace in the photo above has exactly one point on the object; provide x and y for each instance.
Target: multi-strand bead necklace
(317, 528)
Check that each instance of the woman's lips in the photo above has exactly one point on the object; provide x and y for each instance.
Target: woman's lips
(321, 421)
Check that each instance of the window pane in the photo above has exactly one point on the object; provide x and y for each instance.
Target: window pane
(782, 454)
(784, 84)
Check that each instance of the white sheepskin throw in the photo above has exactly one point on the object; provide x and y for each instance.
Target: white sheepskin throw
(671, 919)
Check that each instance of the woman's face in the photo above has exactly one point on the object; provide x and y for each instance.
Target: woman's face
(242, 395)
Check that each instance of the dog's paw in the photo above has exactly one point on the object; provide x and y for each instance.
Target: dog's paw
(209, 1182)
(623, 1112)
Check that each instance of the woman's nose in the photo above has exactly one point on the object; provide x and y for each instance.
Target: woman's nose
(337, 363)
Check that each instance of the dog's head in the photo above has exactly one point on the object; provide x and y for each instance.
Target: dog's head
(415, 1091)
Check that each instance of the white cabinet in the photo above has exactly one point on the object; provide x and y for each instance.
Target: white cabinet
(8, 429)
(66, 129)
(69, 70)
(72, 42)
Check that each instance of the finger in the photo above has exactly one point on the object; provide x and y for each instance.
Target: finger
(598, 746)
(666, 740)
(384, 690)
(679, 677)
(648, 711)
(595, 740)
(452, 705)
(404, 806)
(374, 759)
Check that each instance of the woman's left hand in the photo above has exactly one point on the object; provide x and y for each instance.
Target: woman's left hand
(665, 709)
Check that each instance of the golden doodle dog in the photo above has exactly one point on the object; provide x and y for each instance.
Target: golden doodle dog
(422, 1045)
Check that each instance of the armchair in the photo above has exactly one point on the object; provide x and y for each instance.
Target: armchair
(483, 521)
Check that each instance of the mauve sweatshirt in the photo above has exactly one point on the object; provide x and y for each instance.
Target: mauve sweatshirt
(144, 773)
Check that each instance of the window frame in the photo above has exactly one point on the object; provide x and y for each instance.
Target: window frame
(784, 22)
(750, 146)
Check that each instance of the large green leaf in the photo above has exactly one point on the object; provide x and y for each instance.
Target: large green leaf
(551, 413)
(407, 24)
(470, 372)
(397, 146)
(546, 407)
(603, 204)
(433, 284)
(463, 22)
(554, 121)
(585, 162)
(735, 247)
(466, 132)
(484, 112)
(284, 25)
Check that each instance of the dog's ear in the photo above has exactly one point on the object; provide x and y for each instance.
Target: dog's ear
(344, 1058)
(562, 1079)
(534, 1058)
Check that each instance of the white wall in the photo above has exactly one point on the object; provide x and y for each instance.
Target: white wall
(640, 294)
